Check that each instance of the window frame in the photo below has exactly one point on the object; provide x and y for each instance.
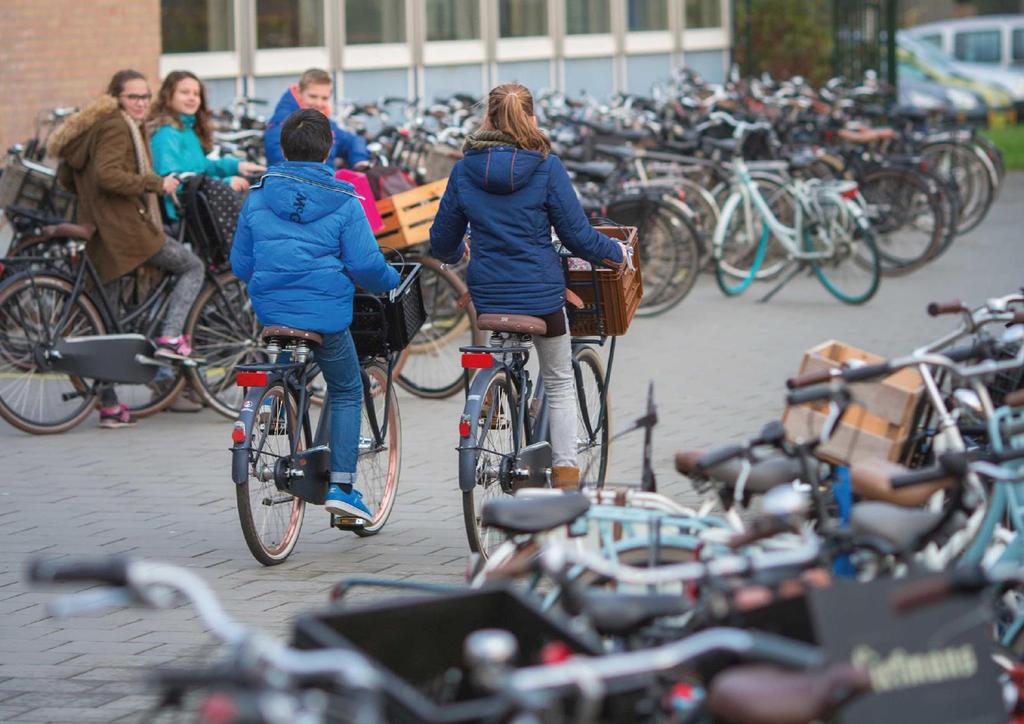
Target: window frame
(997, 32)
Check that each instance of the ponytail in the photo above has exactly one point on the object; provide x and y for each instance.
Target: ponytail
(510, 110)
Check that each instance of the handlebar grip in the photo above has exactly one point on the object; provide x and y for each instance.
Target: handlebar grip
(720, 455)
(866, 372)
(1018, 317)
(968, 351)
(811, 394)
(758, 530)
(937, 308)
(811, 378)
(917, 477)
(785, 652)
(921, 593)
(112, 570)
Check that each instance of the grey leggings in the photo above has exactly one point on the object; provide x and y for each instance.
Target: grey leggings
(175, 258)
(555, 357)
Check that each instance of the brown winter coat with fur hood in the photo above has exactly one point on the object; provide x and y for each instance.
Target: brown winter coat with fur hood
(101, 168)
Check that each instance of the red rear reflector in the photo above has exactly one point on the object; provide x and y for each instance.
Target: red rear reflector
(850, 194)
(2, 269)
(238, 433)
(251, 379)
(477, 361)
(555, 652)
(463, 427)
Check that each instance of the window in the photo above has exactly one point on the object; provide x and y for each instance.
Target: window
(289, 23)
(197, 26)
(977, 46)
(1017, 46)
(522, 18)
(587, 17)
(453, 19)
(374, 21)
(703, 13)
(648, 15)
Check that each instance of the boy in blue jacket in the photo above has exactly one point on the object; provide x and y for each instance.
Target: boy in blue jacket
(301, 245)
(313, 91)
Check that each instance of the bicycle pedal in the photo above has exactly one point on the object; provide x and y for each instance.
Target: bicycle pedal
(345, 522)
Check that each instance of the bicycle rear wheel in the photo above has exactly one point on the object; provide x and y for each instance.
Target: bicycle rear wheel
(851, 274)
(379, 465)
(33, 398)
(657, 226)
(687, 242)
(494, 437)
(593, 416)
(907, 217)
(225, 334)
(429, 367)
(271, 518)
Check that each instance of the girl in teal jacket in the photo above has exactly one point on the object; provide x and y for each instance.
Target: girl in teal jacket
(181, 136)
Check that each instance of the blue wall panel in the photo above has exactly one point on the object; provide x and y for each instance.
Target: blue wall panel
(371, 85)
(534, 74)
(442, 81)
(643, 70)
(270, 88)
(709, 63)
(593, 75)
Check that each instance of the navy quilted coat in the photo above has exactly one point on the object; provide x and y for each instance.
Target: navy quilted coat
(510, 198)
(302, 240)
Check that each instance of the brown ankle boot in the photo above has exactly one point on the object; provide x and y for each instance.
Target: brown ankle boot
(565, 477)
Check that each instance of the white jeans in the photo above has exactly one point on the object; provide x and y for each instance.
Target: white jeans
(555, 357)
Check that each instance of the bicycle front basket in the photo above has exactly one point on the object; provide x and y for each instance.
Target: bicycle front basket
(387, 322)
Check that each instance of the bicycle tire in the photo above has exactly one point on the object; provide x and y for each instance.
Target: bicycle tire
(738, 250)
(225, 333)
(429, 367)
(656, 225)
(687, 241)
(962, 168)
(906, 216)
(496, 431)
(858, 251)
(270, 440)
(377, 483)
(726, 274)
(593, 445)
(18, 345)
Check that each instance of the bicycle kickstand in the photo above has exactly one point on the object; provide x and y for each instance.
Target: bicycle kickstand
(797, 268)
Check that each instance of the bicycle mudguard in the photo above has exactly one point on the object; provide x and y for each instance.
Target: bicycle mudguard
(122, 358)
(240, 450)
(468, 452)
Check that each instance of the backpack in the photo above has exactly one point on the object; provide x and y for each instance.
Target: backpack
(211, 210)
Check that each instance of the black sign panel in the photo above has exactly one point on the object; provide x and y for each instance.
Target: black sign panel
(930, 665)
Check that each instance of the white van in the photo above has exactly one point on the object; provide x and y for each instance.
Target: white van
(987, 47)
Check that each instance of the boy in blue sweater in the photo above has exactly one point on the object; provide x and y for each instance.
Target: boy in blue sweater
(301, 245)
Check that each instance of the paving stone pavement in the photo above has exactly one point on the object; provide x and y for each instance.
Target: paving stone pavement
(162, 489)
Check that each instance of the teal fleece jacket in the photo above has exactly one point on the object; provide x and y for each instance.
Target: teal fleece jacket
(177, 150)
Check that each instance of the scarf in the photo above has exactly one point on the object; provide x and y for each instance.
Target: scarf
(483, 138)
(145, 168)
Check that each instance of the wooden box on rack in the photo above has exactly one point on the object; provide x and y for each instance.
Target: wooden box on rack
(407, 216)
(620, 291)
(879, 422)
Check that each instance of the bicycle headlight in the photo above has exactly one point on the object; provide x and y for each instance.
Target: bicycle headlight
(961, 100)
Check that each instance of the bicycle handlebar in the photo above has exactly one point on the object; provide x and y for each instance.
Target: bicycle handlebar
(953, 307)
(112, 571)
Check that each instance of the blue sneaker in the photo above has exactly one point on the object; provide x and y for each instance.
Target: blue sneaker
(349, 505)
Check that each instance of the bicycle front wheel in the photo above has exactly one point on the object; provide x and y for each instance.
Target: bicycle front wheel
(852, 270)
(907, 216)
(379, 461)
(487, 453)
(33, 398)
(593, 417)
(271, 518)
(429, 366)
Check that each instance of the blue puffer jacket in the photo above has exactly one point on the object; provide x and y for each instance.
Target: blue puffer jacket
(349, 146)
(301, 242)
(511, 198)
(178, 150)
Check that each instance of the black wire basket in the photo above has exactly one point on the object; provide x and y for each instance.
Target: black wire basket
(386, 323)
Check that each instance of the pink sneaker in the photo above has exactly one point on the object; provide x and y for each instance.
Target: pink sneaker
(180, 346)
(116, 416)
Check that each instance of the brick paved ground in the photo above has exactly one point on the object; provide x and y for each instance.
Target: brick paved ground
(162, 490)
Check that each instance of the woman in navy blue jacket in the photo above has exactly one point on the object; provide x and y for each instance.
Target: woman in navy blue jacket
(511, 190)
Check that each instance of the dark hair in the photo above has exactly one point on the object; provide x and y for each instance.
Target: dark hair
(160, 113)
(306, 136)
(314, 76)
(510, 110)
(121, 77)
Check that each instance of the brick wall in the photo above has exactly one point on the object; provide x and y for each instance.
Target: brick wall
(63, 52)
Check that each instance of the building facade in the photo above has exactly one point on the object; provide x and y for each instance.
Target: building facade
(432, 48)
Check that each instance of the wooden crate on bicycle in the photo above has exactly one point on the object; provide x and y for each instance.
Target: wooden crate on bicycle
(876, 426)
(407, 216)
(610, 298)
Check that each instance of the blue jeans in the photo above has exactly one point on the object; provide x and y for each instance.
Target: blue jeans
(340, 364)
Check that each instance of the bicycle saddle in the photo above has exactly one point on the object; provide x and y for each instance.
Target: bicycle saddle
(598, 170)
(516, 323)
(760, 694)
(291, 333)
(615, 151)
(764, 474)
(69, 231)
(865, 136)
(622, 613)
(871, 481)
(534, 514)
(900, 526)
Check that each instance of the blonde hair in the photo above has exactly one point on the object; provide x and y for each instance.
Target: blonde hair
(314, 76)
(510, 110)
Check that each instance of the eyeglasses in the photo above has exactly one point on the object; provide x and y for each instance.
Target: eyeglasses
(133, 98)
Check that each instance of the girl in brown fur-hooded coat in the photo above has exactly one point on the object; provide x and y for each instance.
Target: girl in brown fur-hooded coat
(113, 178)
